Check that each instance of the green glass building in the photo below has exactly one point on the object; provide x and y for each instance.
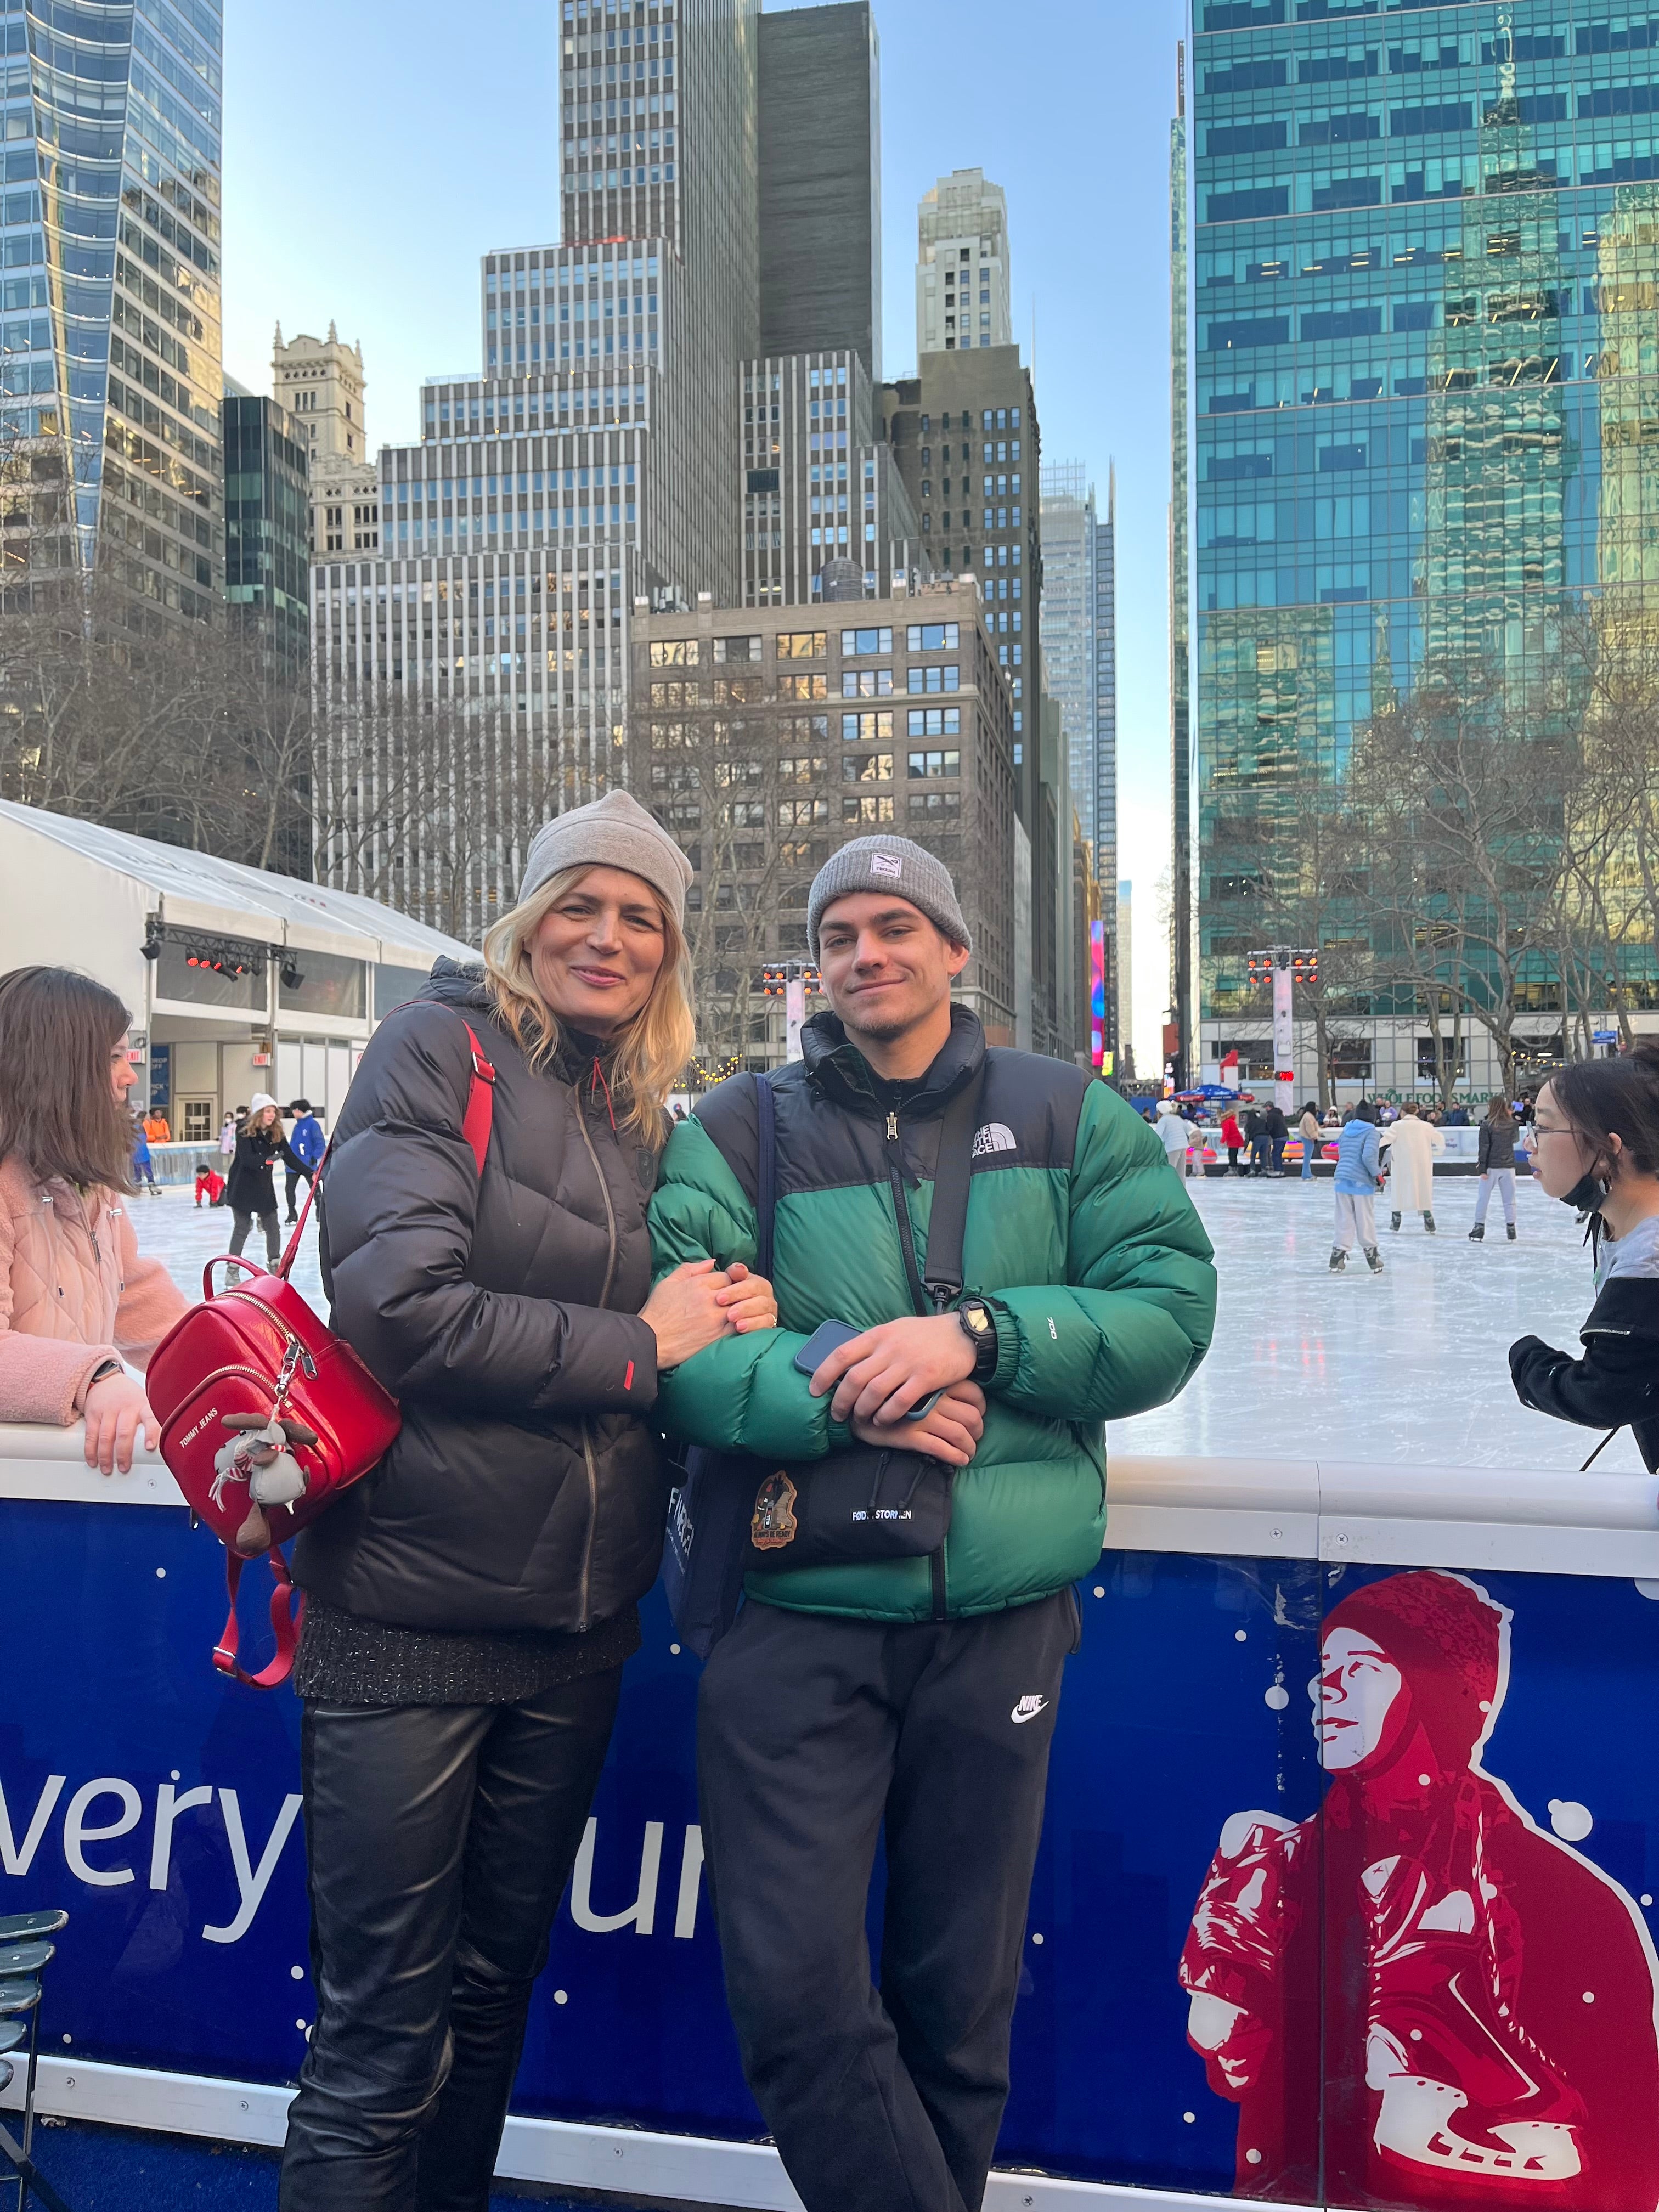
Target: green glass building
(268, 528)
(1423, 396)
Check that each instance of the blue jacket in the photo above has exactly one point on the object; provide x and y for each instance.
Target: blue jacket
(305, 1140)
(1358, 1156)
(140, 1149)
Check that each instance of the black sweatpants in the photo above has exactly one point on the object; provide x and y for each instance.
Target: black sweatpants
(439, 1839)
(813, 1734)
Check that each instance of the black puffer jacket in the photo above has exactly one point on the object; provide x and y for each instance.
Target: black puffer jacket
(527, 1490)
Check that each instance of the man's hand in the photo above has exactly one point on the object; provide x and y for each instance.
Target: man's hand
(880, 1375)
(951, 1431)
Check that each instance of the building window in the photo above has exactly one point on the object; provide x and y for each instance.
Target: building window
(866, 809)
(947, 677)
(935, 722)
(802, 644)
(866, 729)
(856, 641)
(939, 764)
(931, 637)
(867, 683)
(866, 767)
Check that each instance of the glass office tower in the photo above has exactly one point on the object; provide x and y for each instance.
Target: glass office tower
(109, 261)
(1423, 331)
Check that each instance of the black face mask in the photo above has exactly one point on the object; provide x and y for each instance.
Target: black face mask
(1586, 1194)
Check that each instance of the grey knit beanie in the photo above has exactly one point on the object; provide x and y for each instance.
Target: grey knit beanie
(892, 865)
(612, 832)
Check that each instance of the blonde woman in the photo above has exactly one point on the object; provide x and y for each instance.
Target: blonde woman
(471, 1603)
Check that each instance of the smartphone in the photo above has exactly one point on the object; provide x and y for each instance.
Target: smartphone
(829, 1337)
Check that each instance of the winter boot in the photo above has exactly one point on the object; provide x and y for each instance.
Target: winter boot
(1394, 1221)
(1508, 1231)
(1373, 1259)
(1339, 1261)
(1478, 1233)
(1428, 1222)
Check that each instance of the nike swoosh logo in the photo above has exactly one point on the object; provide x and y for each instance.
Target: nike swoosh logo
(1024, 1712)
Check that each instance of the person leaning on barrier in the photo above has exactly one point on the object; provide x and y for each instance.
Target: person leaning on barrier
(469, 1604)
(912, 1696)
(75, 1298)
(1597, 1127)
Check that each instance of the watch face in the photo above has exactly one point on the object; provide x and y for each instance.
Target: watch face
(977, 1319)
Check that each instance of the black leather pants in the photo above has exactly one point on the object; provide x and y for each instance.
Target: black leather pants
(438, 1841)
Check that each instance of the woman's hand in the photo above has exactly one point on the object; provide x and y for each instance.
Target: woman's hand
(684, 1313)
(951, 1431)
(749, 1301)
(116, 1410)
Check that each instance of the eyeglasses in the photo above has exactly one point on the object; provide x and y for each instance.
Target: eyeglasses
(1551, 1129)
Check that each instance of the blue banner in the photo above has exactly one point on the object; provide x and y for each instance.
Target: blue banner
(1351, 1870)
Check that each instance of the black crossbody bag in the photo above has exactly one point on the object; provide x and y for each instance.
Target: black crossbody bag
(880, 1502)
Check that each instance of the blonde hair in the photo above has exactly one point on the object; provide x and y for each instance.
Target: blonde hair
(651, 1053)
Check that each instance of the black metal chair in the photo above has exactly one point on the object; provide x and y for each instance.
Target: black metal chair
(26, 1951)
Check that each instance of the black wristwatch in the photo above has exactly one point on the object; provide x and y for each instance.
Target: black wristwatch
(979, 1327)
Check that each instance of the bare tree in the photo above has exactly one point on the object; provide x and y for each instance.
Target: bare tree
(1463, 803)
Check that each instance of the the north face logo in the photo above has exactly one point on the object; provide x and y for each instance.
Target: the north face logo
(994, 1137)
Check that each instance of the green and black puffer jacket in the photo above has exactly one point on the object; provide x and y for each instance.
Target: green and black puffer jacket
(1085, 1244)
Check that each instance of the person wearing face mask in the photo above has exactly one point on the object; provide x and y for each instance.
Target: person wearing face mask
(470, 1605)
(1598, 1130)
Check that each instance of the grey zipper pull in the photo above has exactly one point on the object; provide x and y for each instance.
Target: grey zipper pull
(892, 1128)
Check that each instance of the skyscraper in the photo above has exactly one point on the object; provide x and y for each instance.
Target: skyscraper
(267, 532)
(1412, 427)
(320, 383)
(109, 239)
(820, 183)
(609, 454)
(1070, 536)
(962, 280)
(1104, 833)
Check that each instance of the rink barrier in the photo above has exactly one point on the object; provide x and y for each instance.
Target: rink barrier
(1236, 1516)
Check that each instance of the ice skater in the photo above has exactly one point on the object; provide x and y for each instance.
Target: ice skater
(1359, 1165)
(1177, 1135)
(1413, 1147)
(1312, 1137)
(1598, 1151)
(1495, 1158)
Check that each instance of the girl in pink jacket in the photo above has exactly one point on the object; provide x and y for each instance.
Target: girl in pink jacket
(75, 1299)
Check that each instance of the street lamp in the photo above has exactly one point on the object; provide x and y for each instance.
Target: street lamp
(1286, 965)
(790, 981)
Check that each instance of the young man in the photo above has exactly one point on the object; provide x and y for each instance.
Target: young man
(914, 1696)
(307, 1144)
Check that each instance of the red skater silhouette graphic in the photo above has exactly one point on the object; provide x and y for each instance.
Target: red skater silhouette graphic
(1482, 2029)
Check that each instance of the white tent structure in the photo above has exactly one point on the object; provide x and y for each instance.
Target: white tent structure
(238, 979)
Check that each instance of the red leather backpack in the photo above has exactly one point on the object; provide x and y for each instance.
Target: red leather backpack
(253, 1391)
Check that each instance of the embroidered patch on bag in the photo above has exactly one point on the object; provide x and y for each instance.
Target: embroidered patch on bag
(775, 1524)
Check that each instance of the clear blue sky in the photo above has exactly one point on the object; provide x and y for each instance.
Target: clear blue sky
(373, 152)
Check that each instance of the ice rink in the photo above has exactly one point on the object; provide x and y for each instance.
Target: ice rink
(1409, 1365)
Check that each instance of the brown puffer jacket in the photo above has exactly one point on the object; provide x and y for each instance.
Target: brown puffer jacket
(527, 1490)
(73, 1293)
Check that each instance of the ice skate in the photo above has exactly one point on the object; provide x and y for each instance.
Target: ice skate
(1477, 1235)
(1508, 1231)
(1428, 1222)
(1394, 1221)
(1373, 1259)
(1339, 1261)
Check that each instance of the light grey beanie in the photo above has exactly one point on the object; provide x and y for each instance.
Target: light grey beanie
(892, 865)
(612, 832)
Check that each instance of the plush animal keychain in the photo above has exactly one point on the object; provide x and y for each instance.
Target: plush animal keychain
(259, 1447)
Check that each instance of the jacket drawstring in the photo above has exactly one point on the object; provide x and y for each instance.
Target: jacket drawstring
(599, 1084)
